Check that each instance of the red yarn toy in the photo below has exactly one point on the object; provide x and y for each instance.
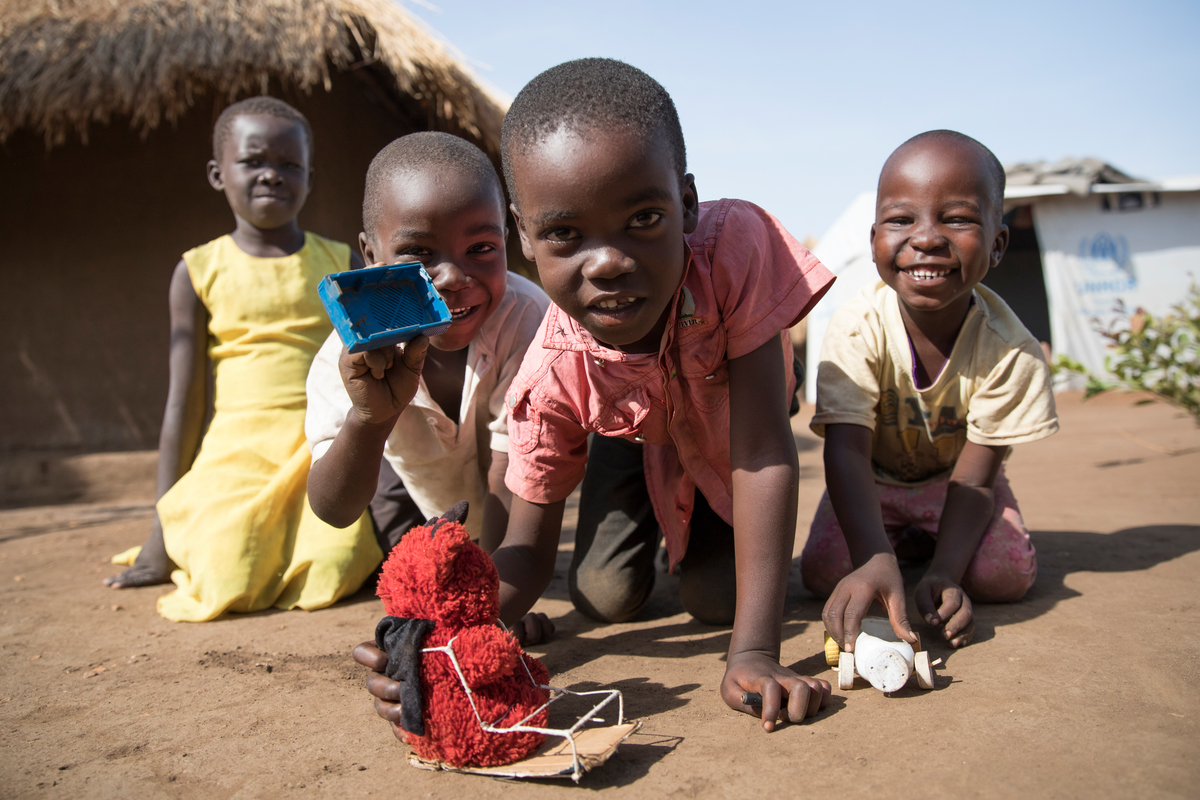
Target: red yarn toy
(439, 588)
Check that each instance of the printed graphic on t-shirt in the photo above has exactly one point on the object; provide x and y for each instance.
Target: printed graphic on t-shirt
(943, 435)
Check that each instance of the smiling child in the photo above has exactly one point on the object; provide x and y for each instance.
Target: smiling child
(666, 337)
(925, 381)
(232, 527)
(434, 409)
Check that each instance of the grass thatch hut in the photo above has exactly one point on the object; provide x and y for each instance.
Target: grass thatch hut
(106, 111)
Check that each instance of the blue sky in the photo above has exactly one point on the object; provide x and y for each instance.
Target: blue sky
(796, 105)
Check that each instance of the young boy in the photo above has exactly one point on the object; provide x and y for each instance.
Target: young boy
(433, 410)
(925, 381)
(668, 330)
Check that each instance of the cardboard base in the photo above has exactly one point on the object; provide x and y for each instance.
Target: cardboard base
(553, 759)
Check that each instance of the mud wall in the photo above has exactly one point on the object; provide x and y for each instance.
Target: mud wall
(89, 236)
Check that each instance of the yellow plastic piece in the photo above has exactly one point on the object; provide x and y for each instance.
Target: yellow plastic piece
(831, 650)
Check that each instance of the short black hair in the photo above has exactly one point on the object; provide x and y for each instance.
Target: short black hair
(994, 167)
(587, 94)
(261, 105)
(426, 150)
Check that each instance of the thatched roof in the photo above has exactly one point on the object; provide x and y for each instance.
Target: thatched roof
(67, 63)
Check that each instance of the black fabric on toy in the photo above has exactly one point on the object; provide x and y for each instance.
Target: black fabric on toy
(457, 513)
(401, 640)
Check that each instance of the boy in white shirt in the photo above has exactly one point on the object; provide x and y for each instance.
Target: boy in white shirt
(433, 198)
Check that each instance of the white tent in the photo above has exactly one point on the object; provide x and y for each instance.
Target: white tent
(845, 250)
(1100, 242)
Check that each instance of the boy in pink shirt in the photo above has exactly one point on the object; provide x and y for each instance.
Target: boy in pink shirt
(666, 329)
(746, 280)
(667, 340)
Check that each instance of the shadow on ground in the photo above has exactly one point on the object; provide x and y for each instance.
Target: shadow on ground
(572, 647)
(1059, 553)
(639, 753)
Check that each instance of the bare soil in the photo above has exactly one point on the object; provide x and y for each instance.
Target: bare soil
(1087, 688)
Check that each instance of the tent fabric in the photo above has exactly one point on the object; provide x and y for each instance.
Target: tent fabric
(1095, 260)
(845, 250)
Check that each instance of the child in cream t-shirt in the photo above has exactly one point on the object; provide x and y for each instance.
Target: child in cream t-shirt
(926, 379)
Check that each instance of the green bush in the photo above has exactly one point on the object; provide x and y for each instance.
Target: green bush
(1159, 355)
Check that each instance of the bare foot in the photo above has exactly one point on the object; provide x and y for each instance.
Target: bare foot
(152, 567)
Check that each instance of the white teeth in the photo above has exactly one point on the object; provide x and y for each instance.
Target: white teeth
(927, 274)
(455, 313)
(614, 303)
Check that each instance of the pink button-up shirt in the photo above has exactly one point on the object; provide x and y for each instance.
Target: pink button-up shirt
(747, 280)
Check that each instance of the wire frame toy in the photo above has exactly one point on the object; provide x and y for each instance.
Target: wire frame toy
(578, 764)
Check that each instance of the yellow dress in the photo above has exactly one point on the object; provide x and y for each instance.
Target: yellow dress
(238, 524)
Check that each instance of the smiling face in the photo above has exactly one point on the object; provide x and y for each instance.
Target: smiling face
(263, 170)
(603, 215)
(937, 229)
(453, 223)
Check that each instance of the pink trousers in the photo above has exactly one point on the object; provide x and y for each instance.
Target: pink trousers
(1004, 566)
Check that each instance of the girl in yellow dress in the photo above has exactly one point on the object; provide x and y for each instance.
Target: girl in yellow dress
(234, 530)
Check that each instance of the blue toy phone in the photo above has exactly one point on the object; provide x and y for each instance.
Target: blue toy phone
(380, 306)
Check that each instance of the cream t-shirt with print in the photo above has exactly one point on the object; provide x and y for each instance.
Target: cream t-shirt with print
(993, 390)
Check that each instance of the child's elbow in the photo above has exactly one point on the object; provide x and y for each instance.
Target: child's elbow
(326, 508)
(328, 514)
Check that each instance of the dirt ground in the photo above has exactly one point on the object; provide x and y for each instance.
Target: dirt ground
(1087, 688)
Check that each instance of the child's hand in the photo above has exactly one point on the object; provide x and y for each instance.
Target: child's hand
(761, 673)
(534, 628)
(381, 383)
(385, 690)
(942, 601)
(878, 579)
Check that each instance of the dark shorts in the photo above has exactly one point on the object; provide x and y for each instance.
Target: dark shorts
(612, 570)
(392, 509)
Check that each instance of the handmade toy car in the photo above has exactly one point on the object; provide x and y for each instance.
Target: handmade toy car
(471, 699)
(880, 656)
(462, 677)
(380, 306)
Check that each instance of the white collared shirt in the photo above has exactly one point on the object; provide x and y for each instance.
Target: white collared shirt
(439, 459)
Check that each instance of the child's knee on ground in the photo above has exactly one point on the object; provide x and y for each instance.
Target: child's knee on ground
(610, 595)
(825, 559)
(1005, 565)
(1003, 569)
(616, 538)
(999, 586)
(707, 573)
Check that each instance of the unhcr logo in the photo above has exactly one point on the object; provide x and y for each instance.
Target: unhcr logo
(1109, 267)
